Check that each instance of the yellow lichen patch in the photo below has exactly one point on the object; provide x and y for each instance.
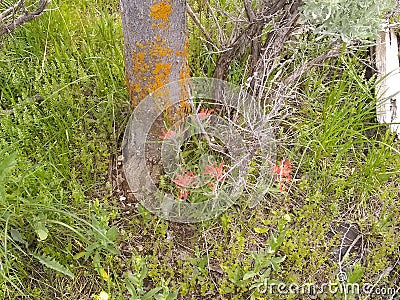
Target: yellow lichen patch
(140, 45)
(161, 75)
(139, 69)
(160, 51)
(153, 61)
(162, 69)
(150, 69)
(136, 87)
(139, 61)
(185, 71)
(160, 12)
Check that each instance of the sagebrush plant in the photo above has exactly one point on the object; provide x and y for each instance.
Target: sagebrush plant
(347, 19)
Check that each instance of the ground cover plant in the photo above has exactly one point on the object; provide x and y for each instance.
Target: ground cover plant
(70, 229)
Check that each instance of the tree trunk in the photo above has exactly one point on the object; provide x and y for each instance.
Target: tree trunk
(156, 45)
(156, 53)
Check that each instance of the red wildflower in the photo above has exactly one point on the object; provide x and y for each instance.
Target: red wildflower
(204, 113)
(170, 134)
(215, 171)
(183, 194)
(184, 180)
(283, 170)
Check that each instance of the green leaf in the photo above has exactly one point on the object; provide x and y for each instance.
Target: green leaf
(134, 280)
(42, 231)
(276, 261)
(264, 276)
(18, 237)
(150, 294)
(169, 296)
(89, 249)
(79, 255)
(261, 230)
(249, 275)
(53, 264)
(274, 282)
(131, 289)
(276, 242)
(112, 233)
(172, 296)
(111, 249)
(261, 261)
(356, 274)
(143, 273)
(363, 18)
(6, 164)
(236, 276)
(97, 261)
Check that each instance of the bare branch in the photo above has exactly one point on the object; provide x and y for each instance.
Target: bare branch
(251, 33)
(273, 48)
(316, 61)
(249, 10)
(10, 11)
(25, 17)
(201, 27)
(220, 32)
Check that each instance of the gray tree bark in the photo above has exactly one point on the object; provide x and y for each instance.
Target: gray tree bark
(156, 46)
(156, 53)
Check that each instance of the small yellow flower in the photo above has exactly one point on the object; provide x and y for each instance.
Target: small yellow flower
(103, 274)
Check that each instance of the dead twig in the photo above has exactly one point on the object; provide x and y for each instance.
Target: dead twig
(23, 18)
(316, 61)
(264, 16)
(220, 32)
(194, 18)
(10, 11)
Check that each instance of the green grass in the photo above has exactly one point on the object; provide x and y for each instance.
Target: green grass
(62, 76)
(63, 107)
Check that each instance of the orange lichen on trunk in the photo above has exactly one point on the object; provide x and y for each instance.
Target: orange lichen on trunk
(160, 12)
(155, 63)
(161, 74)
(151, 68)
